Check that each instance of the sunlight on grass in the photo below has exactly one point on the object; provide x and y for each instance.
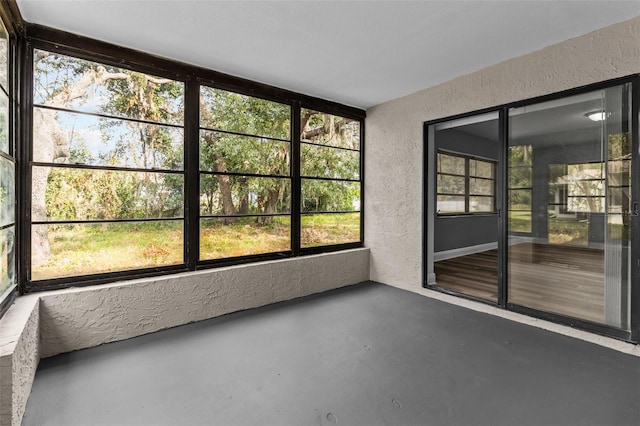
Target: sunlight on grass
(93, 248)
(326, 229)
(83, 249)
(243, 236)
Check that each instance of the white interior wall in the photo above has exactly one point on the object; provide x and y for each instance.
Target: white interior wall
(394, 134)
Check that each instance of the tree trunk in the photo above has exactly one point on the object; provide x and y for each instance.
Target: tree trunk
(224, 184)
(51, 143)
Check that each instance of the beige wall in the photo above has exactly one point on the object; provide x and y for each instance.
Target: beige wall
(393, 155)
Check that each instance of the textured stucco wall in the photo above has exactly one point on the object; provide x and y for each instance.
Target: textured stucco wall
(79, 318)
(393, 180)
(19, 356)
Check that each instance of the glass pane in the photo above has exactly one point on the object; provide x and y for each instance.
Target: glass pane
(327, 162)
(7, 259)
(585, 204)
(451, 164)
(4, 59)
(450, 204)
(480, 168)
(81, 249)
(481, 186)
(520, 155)
(451, 184)
(520, 199)
(520, 177)
(587, 171)
(243, 195)
(233, 112)
(568, 230)
(330, 196)
(466, 269)
(481, 204)
(327, 229)
(4, 123)
(223, 152)
(87, 139)
(520, 221)
(7, 192)
(89, 194)
(578, 264)
(243, 236)
(327, 129)
(66, 82)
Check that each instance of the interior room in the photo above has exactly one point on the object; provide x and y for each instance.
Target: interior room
(292, 213)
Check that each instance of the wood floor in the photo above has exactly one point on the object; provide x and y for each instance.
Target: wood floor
(558, 279)
(474, 275)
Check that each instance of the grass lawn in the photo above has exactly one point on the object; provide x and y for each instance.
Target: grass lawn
(325, 229)
(93, 248)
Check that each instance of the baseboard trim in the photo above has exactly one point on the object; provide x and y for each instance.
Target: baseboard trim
(463, 251)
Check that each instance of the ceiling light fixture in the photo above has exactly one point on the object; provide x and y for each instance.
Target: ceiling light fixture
(596, 115)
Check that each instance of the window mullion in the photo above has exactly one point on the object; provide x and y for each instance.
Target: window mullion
(296, 183)
(467, 189)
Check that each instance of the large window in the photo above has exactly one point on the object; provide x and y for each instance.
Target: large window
(245, 175)
(330, 179)
(134, 173)
(107, 170)
(7, 174)
(465, 184)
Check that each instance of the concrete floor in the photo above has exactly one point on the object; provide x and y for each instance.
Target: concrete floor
(365, 355)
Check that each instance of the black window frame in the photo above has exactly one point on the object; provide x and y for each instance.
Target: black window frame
(7, 16)
(346, 180)
(40, 37)
(467, 186)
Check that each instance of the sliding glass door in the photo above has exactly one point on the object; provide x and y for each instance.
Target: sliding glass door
(464, 212)
(569, 165)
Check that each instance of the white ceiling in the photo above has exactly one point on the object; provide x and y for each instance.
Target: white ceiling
(359, 53)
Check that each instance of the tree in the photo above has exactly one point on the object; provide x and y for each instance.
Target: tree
(134, 121)
(67, 83)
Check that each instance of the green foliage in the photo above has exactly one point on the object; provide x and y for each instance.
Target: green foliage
(245, 144)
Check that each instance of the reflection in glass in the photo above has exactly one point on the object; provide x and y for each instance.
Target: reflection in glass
(483, 169)
(451, 164)
(328, 229)
(4, 58)
(328, 162)
(89, 194)
(101, 88)
(244, 195)
(570, 184)
(81, 249)
(481, 204)
(87, 139)
(243, 236)
(233, 112)
(481, 186)
(330, 196)
(331, 130)
(7, 192)
(451, 185)
(224, 152)
(450, 203)
(7, 259)
(4, 123)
